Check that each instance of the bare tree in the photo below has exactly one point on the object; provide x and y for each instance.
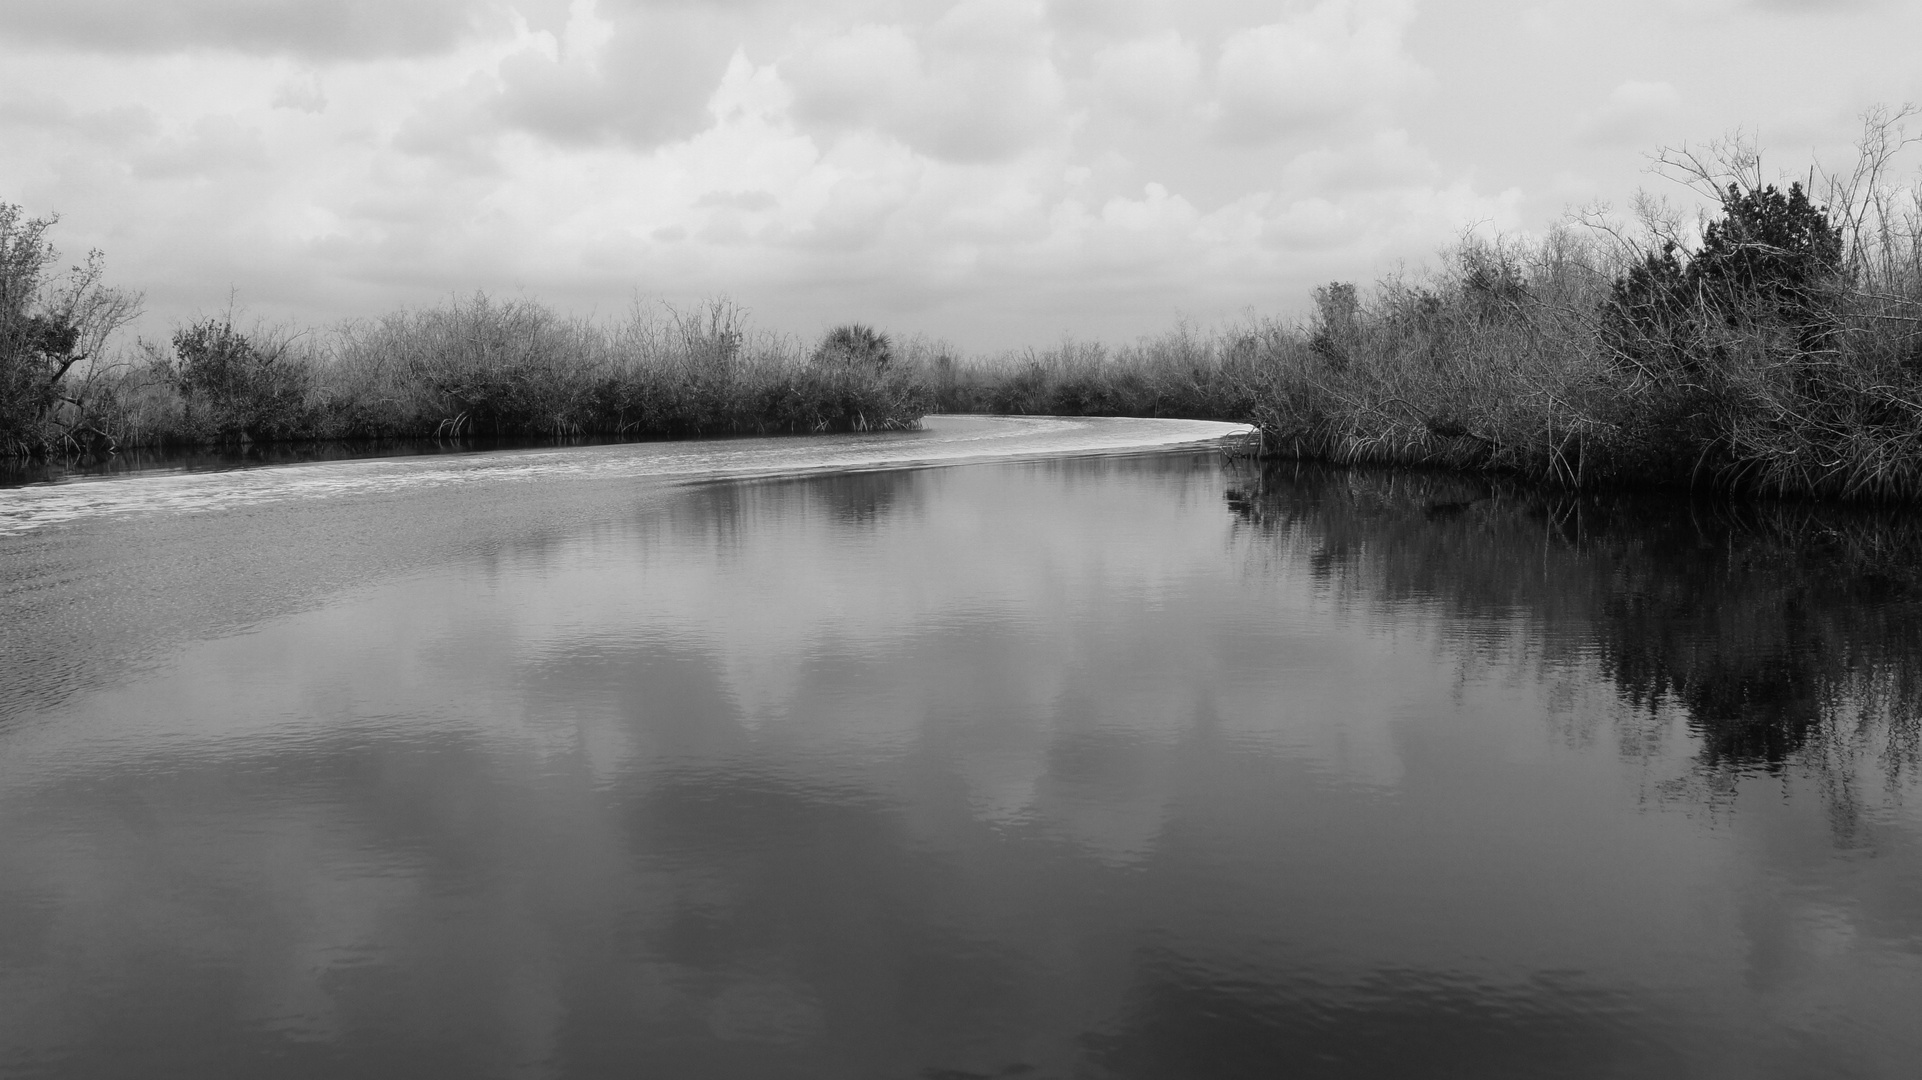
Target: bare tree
(52, 324)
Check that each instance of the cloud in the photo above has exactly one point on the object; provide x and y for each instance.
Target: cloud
(214, 145)
(995, 170)
(856, 77)
(1810, 7)
(1149, 78)
(1634, 114)
(977, 85)
(1384, 159)
(455, 126)
(1327, 64)
(317, 29)
(116, 126)
(647, 80)
(739, 200)
(302, 95)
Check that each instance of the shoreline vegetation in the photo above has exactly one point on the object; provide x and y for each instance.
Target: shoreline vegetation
(1773, 346)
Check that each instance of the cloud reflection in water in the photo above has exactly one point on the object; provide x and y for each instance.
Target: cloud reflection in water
(1065, 767)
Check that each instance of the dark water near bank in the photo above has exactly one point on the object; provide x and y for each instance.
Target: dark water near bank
(1139, 766)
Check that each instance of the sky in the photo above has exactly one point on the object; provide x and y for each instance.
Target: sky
(996, 174)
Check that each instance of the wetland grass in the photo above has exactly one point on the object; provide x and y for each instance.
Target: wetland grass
(470, 368)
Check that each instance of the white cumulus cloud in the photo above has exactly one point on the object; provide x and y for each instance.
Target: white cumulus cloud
(996, 171)
(1325, 65)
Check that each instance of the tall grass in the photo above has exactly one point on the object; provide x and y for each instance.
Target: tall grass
(1196, 374)
(487, 367)
(1578, 361)
(1487, 363)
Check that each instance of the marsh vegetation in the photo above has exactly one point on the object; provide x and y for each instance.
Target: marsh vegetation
(475, 367)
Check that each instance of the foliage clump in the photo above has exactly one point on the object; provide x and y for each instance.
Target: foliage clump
(1771, 257)
(234, 387)
(855, 345)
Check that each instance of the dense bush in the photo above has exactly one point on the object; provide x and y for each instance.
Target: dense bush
(235, 388)
(1773, 355)
(854, 345)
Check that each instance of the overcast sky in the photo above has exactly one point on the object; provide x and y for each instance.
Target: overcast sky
(995, 172)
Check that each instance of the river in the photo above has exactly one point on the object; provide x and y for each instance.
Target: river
(1010, 748)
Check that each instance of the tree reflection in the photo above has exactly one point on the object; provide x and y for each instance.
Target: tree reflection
(1788, 633)
(1394, 1022)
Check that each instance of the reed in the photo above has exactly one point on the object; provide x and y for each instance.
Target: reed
(1189, 373)
(487, 367)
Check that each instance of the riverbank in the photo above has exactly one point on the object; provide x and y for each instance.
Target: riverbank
(1533, 359)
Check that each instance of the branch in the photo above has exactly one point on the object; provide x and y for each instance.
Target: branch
(61, 372)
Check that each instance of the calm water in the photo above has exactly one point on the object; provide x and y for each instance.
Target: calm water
(764, 759)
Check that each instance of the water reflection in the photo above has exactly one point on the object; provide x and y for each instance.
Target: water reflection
(1786, 634)
(1113, 767)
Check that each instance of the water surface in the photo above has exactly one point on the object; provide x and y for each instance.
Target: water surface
(786, 762)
